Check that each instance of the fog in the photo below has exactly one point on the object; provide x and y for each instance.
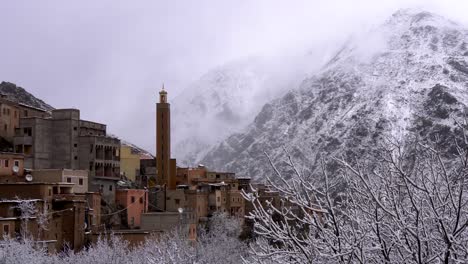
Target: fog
(110, 58)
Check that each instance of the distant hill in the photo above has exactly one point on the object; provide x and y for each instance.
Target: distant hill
(20, 95)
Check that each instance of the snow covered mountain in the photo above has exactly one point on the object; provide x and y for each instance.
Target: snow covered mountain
(20, 95)
(408, 74)
(227, 99)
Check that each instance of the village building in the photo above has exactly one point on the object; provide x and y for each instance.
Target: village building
(129, 162)
(64, 141)
(134, 203)
(57, 217)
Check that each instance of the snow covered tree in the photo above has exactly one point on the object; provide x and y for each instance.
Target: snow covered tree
(406, 204)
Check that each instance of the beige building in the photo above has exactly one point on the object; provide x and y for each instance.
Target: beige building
(129, 162)
(78, 177)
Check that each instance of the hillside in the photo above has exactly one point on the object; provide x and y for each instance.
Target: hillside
(410, 74)
(20, 95)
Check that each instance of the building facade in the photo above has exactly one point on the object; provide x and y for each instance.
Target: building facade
(66, 141)
(129, 162)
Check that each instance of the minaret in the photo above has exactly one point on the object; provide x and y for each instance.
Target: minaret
(163, 140)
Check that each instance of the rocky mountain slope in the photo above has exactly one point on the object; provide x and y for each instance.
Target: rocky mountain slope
(408, 75)
(20, 95)
(227, 98)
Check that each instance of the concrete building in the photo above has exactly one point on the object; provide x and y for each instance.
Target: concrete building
(129, 162)
(64, 141)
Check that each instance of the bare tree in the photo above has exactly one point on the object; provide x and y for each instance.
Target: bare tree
(406, 205)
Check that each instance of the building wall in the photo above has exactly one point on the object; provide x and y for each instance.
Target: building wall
(8, 161)
(94, 204)
(9, 119)
(129, 162)
(164, 221)
(78, 177)
(66, 142)
(136, 202)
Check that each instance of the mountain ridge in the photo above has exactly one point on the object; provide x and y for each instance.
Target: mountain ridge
(393, 81)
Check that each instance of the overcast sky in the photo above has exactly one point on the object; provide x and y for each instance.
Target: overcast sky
(109, 58)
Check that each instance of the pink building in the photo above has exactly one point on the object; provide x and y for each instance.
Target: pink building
(136, 203)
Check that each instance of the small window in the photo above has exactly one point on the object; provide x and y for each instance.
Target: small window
(132, 199)
(177, 201)
(75, 145)
(75, 128)
(68, 179)
(91, 147)
(141, 200)
(80, 181)
(76, 157)
(25, 113)
(6, 163)
(6, 230)
(110, 188)
(6, 127)
(50, 192)
(17, 163)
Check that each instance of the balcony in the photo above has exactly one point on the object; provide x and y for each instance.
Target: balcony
(23, 140)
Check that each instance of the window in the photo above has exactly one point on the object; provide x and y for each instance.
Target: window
(110, 188)
(6, 127)
(50, 192)
(76, 157)
(132, 199)
(17, 163)
(25, 113)
(91, 147)
(6, 163)
(177, 201)
(75, 145)
(6, 229)
(141, 200)
(27, 131)
(68, 179)
(8, 111)
(75, 128)
(80, 181)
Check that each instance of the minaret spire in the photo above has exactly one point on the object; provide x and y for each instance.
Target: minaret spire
(163, 142)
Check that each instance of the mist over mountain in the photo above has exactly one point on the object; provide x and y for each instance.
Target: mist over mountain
(407, 76)
(227, 98)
